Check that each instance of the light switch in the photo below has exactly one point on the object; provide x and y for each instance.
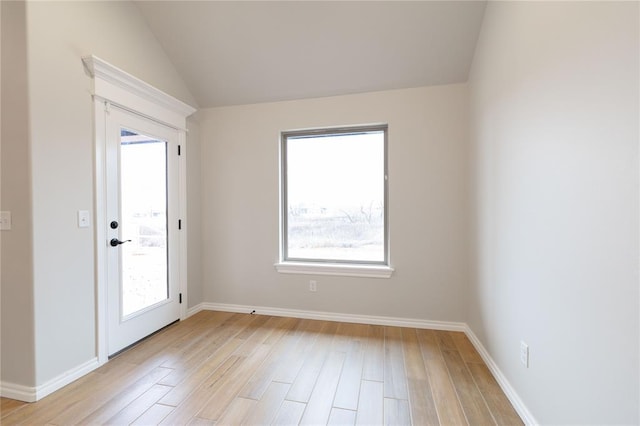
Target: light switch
(84, 220)
(5, 221)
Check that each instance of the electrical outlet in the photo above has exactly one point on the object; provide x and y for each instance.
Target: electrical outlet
(524, 354)
(313, 286)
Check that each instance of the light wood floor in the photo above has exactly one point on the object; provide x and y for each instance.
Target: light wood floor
(222, 368)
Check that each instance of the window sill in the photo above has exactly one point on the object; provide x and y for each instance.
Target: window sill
(350, 270)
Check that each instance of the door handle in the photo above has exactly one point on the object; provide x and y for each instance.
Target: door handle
(116, 242)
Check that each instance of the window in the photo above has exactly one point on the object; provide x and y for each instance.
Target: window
(334, 199)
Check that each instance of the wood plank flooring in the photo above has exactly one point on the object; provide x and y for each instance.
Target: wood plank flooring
(219, 368)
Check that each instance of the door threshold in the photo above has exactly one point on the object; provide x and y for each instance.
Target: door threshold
(141, 340)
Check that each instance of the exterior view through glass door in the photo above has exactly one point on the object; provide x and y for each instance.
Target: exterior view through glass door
(143, 198)
(141, 209)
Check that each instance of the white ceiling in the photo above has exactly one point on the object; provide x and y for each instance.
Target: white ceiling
(242, 52)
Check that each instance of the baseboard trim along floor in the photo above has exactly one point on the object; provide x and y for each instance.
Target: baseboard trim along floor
(33, 394)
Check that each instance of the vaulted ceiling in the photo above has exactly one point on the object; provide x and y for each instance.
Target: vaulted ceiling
(241, 52)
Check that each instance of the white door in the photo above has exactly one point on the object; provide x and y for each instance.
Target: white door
(142, 223)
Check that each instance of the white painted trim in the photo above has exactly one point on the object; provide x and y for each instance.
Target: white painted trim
(19, 392)
(119, 87)
(33, 394)
(509, 391)
(65, 378)
(194, 310)
(345, 270)
(100, 221)
(334, 316)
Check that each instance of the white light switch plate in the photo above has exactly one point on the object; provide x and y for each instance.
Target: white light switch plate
(84, 220)
(5, 221)
(524, 354)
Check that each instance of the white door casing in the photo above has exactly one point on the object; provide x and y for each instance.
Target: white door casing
(114, 87)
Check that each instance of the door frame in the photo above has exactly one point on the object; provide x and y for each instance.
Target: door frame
(112, 86)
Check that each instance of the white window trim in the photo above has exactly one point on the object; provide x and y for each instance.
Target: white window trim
(320, 267)
(339, 269)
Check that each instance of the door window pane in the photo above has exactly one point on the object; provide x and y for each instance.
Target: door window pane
(143, 191)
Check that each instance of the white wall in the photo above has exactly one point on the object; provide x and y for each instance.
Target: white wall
(428, 204)
(554, 106)
(16, 254)
(61, 157)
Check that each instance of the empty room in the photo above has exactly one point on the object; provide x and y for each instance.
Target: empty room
(320, 212)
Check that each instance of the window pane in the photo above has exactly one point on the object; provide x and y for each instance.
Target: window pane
(143, 169)
(335, 197)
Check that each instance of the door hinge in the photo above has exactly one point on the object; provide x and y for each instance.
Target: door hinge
(180, 299)
(179, 223)
(179, 150)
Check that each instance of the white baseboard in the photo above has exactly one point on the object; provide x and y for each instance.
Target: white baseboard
(19, 392)
(33, 394)
(333, 316)
(194, 310)
(516, 401)
(511, 394)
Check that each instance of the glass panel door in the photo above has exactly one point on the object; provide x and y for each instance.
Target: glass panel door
(143, 191)
(142, 207)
